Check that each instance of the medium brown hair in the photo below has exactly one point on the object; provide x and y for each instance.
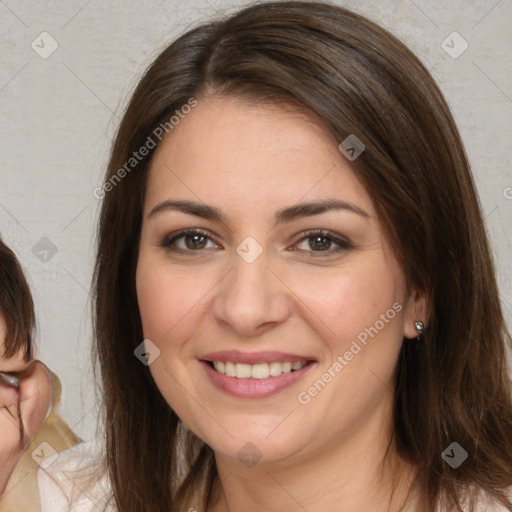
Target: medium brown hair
(358, 79)
(16, 305)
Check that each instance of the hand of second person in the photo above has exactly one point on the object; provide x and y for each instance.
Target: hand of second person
(22, 411)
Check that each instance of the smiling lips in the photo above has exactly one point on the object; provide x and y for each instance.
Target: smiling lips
(256, 371)
(255, 374)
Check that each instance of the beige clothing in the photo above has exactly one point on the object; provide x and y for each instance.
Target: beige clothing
(21, 493)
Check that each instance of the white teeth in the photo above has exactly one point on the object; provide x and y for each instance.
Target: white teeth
(220, 366)
(260, 371)
(242, 371)
(230, 369)
(275, 369)
(287, 367)
(256, 371)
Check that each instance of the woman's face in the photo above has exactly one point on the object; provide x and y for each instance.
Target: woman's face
(256, 286)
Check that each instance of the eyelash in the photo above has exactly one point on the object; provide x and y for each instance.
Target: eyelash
(342, 244)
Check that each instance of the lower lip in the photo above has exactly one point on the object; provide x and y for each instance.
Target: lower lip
(254, 388)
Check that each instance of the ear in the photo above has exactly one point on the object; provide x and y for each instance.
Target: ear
(416, 310)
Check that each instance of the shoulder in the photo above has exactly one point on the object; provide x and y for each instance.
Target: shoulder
(487, 503)
(74, 481)
(484, 502)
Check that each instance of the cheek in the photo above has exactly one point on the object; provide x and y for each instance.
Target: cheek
(343, 303)
(357, 316)
(159, 304)
(167, 299)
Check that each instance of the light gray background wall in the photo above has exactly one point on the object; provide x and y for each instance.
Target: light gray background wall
(60, 111)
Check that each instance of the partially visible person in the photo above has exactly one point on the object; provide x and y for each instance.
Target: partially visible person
(25, 383)
(22, 493)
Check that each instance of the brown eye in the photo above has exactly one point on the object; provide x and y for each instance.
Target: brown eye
(321, 243)
(317, 242)
(190, 240)
(195, 241)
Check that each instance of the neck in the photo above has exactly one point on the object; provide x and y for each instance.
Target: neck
(352, 474)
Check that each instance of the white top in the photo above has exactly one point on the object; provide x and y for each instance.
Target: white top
(74, 482)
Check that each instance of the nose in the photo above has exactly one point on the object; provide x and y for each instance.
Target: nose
(251, 299)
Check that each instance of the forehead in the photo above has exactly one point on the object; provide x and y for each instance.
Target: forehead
(228, 148)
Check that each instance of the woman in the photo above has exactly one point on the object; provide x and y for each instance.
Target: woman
(25, 386)
(295, 304)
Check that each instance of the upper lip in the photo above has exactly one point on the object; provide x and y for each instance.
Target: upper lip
(234, 356)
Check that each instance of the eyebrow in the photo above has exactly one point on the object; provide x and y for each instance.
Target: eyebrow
(281, 216)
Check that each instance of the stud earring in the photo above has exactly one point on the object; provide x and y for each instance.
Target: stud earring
(420, 327)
